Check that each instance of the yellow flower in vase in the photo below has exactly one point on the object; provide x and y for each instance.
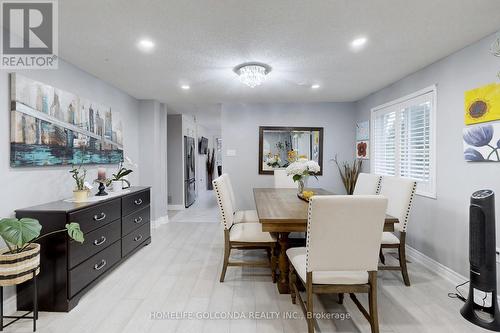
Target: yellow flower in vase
(292, 156)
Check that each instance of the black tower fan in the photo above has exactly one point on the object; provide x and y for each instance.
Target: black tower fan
(482, 258)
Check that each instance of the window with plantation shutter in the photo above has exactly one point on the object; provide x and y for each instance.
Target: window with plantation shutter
(403, 139)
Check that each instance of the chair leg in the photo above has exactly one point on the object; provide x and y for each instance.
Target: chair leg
(402, 263)
(372, 299)
(292, 278)
(341, 298)
(274, 264)
(227, 252)
(309, 305)
(381, 256)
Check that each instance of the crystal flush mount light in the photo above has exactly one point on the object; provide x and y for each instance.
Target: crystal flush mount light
(252, 74)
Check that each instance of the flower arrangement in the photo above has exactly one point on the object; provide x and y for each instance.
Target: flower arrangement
(301, 169)
(273, 161)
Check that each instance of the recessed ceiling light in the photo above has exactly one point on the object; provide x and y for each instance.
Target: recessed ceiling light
(146, 45)
(315, 86)
(359, 42)
(185, 87)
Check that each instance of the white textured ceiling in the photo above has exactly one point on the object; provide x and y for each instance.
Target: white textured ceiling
(198, 42)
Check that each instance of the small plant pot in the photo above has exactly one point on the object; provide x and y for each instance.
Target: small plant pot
(80, 196)
(116, 186)
(18, 267)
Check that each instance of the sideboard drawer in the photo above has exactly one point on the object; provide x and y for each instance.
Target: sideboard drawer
(134, 202)
(95, 241)
(97, 216)
(135, 220)
(135, 238)
(92, 268)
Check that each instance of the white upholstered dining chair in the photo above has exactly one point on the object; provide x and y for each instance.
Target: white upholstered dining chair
(240, 216)
(367, 184)
(241, 236)
(341, 255)
(399, 193)
(282, 180)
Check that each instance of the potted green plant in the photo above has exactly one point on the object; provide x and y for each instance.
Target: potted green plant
(80, 193)
(22, 254)
(116, 182)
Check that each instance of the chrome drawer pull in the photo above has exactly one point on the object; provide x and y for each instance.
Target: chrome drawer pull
(100, 242)
(100, 265)
(138, 238)
(99, 218)
(138, 202)
(138, 220)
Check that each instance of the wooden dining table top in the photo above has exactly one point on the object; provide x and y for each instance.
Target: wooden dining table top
(280, 210)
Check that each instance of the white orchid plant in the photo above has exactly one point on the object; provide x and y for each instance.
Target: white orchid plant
(303, 168)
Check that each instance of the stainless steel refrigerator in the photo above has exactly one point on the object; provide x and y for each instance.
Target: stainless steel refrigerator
(189, 171)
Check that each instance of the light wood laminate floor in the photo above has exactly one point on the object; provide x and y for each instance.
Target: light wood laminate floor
(179, 272)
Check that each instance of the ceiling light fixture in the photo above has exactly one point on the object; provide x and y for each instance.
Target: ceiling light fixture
(359, 42)
(252, 74)
(185, 87)
(315, 86)
(146, 45)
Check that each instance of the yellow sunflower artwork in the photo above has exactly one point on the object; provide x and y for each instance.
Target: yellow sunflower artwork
(482, 104)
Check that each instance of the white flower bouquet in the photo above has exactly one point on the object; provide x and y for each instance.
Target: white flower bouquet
(301, 169)
(273, 161)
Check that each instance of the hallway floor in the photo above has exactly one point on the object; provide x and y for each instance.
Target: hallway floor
(204, 209)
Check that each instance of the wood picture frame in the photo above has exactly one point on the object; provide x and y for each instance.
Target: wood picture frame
(262, 129)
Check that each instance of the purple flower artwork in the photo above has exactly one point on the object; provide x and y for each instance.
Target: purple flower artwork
(482, 143)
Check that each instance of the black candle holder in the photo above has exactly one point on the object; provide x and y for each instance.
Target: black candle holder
(102, 188)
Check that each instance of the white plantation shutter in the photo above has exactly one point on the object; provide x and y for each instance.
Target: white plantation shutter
(384, 143)
(403, 139)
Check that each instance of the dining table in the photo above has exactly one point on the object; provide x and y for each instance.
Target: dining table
(282, 212)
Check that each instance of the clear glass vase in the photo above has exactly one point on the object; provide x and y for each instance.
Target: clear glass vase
(301, 184)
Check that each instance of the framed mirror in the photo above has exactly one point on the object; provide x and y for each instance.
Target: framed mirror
(278, 144)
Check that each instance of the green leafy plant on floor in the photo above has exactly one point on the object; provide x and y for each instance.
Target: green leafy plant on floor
(18, 234)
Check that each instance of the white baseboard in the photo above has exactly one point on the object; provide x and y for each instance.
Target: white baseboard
(446, 273)
(433, 265)
(176, 207)
(159, 221)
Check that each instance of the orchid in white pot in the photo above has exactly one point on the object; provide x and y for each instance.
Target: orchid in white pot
(300, 171)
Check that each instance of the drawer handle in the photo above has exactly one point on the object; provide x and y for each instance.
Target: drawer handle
(138, 220)
(138, 202)
(137, 238)
(100, 265)
(100, 242)
(99, 218)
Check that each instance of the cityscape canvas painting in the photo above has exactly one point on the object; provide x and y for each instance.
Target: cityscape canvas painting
(50, 126)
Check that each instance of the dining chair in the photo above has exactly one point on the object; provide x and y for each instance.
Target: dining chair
(282, 180)
(399, 193)
(341, 253)
(240, 216)
(241, 236)
(367, 184)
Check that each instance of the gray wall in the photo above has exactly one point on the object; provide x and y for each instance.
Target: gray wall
(240, 132)
(175, 160)
(23, 187)
(439, 227)
(153, 153)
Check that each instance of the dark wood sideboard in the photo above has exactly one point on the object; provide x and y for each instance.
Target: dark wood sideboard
(115, 228)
